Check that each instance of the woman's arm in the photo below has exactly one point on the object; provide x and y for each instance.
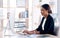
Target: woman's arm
(31, 32)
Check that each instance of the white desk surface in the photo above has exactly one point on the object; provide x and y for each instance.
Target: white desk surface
(30, 36)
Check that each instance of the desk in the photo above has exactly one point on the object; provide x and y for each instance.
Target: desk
(30, 36)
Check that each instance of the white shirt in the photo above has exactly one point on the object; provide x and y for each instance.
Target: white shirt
(43, 24)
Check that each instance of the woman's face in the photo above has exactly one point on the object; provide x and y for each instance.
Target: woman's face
(44, 12)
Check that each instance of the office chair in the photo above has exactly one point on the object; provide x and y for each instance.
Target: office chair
(56, 29)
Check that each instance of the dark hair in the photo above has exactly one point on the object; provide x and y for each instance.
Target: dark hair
(47, 7)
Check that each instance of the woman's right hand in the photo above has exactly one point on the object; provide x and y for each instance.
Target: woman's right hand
(28, 32)
(25, 31)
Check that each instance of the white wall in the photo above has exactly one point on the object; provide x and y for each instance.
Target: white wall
(36, 15)
(30, 15)
(58, 10)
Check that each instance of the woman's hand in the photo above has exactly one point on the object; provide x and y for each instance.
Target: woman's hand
(28, 32)
(31, 32)
(25, 31)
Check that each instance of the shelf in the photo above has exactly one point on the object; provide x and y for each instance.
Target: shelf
(20, 3)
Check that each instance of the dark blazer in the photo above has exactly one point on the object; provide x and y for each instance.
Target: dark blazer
(48, 27)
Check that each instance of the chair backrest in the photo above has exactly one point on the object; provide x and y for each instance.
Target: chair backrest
(56, 29)
(59, 32)
(56, 25)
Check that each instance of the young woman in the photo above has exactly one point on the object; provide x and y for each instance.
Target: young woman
(47, 24)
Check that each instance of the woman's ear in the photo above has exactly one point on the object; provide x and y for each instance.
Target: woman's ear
(47, 10)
